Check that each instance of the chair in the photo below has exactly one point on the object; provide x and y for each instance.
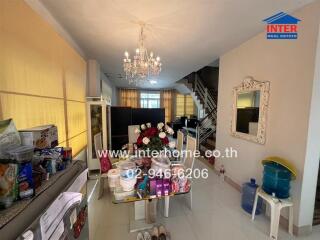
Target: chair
(132, 136)
(131, 133)
(276, 205)
(191, 147)
(179, 148)
(180, 142)
(98, 147)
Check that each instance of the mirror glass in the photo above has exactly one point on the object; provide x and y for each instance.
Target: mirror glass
(247, 117)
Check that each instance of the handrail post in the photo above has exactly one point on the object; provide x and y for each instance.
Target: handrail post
(206, 98)
(198, 136)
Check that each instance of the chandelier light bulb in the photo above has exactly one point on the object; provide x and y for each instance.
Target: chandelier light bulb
(144, 64)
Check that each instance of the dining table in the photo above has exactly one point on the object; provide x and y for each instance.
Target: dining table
(143, 212)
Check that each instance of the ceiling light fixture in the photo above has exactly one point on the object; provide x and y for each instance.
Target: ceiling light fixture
(143, 65)
(153, 82)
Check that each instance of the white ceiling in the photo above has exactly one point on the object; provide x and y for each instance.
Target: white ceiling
(187, 34)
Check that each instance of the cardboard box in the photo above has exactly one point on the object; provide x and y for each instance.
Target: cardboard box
(40, 137)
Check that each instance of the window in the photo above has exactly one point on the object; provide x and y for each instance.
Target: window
(189, 107)
(184, 105)
(150, 99)
(180, 105)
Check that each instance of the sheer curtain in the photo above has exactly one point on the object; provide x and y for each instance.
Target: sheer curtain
(166, 97)
(129, 98)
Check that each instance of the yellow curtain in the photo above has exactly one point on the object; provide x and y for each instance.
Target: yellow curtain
(180, 105)
(166, 103)
(189, 105)
(129, 98)
(184, 105)
(42, 78)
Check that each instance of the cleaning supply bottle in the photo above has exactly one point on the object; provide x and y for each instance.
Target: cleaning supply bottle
(222, 172)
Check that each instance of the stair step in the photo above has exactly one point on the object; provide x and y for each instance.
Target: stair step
(206, 146)
(316, 217)
(212, 137)
(211, 141)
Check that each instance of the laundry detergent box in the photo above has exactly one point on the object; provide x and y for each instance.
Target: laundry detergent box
(40, 137)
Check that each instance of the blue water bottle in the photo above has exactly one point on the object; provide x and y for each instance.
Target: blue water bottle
(248, 194)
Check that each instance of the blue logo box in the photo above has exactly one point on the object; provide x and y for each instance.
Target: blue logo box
(282, 35)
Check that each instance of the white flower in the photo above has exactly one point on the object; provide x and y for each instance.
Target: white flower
(149, 125)
(162, 135)
(160, 125)
(172, 144)
(170, 130)
(137, 131)
(145, 140)
(143, 127)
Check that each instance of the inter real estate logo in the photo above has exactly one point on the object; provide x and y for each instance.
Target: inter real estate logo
(282, 26)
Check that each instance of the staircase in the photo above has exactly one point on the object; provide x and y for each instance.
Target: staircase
(207, 99)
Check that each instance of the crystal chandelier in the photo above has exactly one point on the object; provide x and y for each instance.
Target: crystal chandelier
(143, 66)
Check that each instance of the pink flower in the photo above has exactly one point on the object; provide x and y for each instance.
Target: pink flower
(145, 140)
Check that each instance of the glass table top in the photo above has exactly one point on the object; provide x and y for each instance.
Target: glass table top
(134, 197)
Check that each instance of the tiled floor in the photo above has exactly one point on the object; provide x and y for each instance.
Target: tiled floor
(216, 214)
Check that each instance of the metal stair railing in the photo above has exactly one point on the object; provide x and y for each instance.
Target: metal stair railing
(207, 126)
(204, 94)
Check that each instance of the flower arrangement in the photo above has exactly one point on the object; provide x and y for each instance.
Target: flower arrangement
(154, 138)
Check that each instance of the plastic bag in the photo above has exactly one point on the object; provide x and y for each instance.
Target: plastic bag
(8, 136)
(105, 164)
(8, 184)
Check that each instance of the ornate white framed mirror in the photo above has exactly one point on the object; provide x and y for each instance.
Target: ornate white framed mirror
(250, 107)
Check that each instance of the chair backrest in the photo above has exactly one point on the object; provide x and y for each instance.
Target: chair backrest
(97, 143)
(191, 147)
(179, 141)
(131, 133)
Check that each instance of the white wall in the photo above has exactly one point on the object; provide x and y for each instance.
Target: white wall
(93, 85)
(98, 83)
(289, 66)
(310, 175)
(109, 89)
